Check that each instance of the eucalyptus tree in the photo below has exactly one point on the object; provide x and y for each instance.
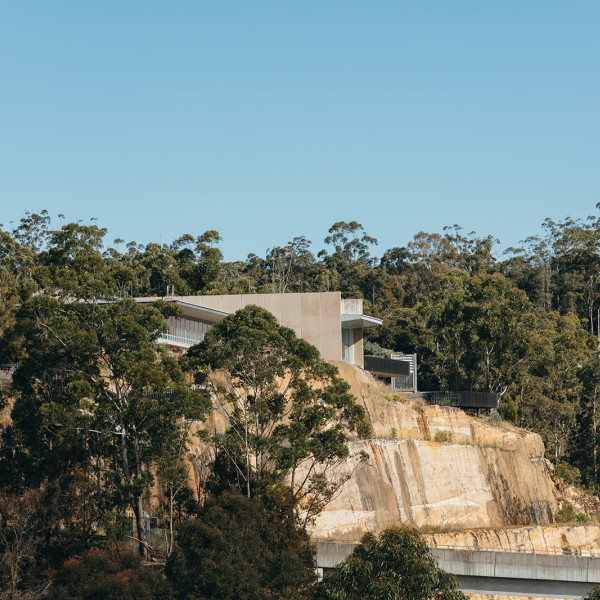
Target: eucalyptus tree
(287, 413)
(95, 399)
(549, 383)
(16, 265)
(397, 566)
(289, 265)
(95, 396)
(350, 259)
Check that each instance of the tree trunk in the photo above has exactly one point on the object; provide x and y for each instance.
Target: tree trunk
(594, 430)
(138, 511)
(141, 524)
(171, 533)
(247, 443)
(136, 505)
(487, 368)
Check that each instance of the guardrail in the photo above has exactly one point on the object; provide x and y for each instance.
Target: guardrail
(461, 399)
(584, 553)
(386, 367)
(168, 338)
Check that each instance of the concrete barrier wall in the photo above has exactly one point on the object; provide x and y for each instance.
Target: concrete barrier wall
(519, 565)
(331, 554)
(477, 563)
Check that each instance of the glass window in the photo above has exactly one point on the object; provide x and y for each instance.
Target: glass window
(348, 345)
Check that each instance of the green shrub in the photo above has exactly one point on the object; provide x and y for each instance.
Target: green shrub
(374, 349)
(364, 430)
(567, 514)
(397, 566)
(244, 549)
(443, 436)
(104, 576)
(495, 417)
(568, 473)
(508, 411)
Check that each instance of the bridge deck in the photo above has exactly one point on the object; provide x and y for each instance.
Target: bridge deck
(499, 572)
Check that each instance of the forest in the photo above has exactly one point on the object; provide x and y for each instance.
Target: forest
(524, 324)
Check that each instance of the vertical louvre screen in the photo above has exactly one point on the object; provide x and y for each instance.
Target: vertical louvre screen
(188, 329)
(408, 382)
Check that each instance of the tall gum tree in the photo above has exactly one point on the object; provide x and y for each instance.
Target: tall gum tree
(93, 393)
(95, 386)
(288, 415)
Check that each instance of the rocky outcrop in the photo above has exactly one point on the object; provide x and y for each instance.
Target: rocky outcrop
(454, 486)
(467, 481)
(391, 415)
(436, 467)
(580, 539)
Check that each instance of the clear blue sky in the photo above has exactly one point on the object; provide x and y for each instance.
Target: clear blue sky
(266, 120)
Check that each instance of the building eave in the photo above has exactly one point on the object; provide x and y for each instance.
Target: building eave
(360, 321)
(190, 309)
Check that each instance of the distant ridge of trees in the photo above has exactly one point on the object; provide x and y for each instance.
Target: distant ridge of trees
(86, 440)
(520, 325)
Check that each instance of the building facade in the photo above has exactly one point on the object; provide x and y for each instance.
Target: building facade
(335, 326)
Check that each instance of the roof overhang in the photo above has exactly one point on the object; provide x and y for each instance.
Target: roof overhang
(191, 310)
(359, 321)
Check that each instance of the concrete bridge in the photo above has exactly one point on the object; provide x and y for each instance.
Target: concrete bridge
(498, 571)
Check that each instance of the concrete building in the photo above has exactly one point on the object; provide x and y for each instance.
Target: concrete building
(332, 324)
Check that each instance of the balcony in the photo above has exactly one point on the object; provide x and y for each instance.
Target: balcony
(178, 340)
(461, 399)
(386, 367)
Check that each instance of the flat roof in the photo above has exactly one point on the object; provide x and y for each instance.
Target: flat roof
(348, 321)
(188, 307)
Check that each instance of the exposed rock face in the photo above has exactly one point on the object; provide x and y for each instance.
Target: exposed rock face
(475, 475)
(584, 539)
(389, 414)
(437, 484)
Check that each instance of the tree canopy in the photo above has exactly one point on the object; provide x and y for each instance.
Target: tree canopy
(242, 548)
(99, 415)
(287, 413)
(397, 565)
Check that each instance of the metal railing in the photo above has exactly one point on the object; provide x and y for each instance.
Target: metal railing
(408, 382)
(168, 338)
(461, 399)
(387, 367)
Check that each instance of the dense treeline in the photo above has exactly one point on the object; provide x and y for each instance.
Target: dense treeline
(98, 440)
(520, 325)
(86, 440)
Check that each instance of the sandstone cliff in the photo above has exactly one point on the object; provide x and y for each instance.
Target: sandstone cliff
(580, 539)
(444, 469)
